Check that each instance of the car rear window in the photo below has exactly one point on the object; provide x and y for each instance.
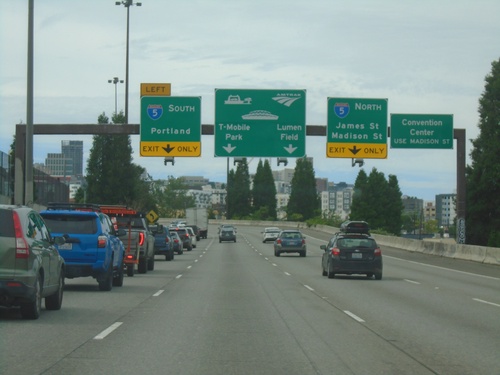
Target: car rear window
(71, 224)
(352, 243)
(7, 227)
(124, 221)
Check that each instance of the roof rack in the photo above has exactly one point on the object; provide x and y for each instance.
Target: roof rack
(355, 227)
(90, 207)
(119, 210)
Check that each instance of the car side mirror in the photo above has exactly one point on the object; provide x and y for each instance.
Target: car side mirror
(323, 247)
(59, 240)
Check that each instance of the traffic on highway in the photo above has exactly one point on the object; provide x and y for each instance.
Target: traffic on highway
(229, 307)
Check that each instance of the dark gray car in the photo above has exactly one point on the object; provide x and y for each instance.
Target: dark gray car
(31, 267)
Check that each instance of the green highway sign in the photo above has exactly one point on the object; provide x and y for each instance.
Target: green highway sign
(261, 123)
(421, 131)
(357, 128)
(170, 126)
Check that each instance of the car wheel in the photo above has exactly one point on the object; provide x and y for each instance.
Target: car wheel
(378, 275)
(130, 270)
(180, 251)
(302, 254)
(54, 301)
(118, 279)
(329, 273)
(369, 275)
(31, 310)
(106, 284)
(324, 273)
(142, 267)
(151, 263)
(277, 253)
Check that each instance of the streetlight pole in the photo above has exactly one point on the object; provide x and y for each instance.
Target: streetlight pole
(115, 80)
(127, 4)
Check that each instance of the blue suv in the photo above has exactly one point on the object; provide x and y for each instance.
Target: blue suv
(92, 246)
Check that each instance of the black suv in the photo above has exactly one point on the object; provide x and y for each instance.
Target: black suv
(352, 251)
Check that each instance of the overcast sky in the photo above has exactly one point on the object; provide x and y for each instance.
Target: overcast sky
(425, 56)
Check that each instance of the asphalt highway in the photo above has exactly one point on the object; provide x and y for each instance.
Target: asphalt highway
(235, 308)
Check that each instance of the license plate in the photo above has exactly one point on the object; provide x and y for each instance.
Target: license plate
(357, 256)
(66, 246)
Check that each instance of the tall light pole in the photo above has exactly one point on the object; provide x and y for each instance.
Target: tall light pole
(127, 4)
(115, 80)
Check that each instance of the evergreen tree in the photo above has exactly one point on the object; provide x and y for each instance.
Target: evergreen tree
(112, 178)
(359, 204)
(242, 194)
(231, 196)
(377, 201)
(304, 202)
(394, 208)
(483, 175)
(264, 192)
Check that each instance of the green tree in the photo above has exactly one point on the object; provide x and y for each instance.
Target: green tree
(264, 193)
(171, 197)
(230, 195)
(483, 174)
(377, 201)
(111, 177)
(304, 202)
(241, 191)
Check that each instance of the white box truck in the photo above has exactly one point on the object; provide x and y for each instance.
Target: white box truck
(199, 217)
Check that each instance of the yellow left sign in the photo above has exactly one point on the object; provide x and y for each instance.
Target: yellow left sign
(155, 89)
(171, 149)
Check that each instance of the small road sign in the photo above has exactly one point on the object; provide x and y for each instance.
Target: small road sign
(261, 123)
(357, 128)
(170, 126)
(421, 131)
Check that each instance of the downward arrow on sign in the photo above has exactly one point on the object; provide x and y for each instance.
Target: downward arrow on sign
(355, 150)
(229, 148)
(290, 148)
(168, 148)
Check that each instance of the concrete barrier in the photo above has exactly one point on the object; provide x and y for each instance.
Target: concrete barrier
(439, 247)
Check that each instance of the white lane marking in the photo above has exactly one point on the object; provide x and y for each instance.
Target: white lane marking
(486, 302)
(443, 268)
(266, 258)
(308, 287)
(286, 273)
(108, 330)
(355, 317)
(158, 293)
(189, 267)
(411, 281)
(274, 264)
(195, 260)
(178, 276)
(201, 255)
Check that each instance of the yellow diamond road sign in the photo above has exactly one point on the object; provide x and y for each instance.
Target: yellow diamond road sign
(356, 150)
(152, 216)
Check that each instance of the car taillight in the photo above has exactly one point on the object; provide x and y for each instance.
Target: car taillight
(102, 241)
(141, 239)
(187, 235)
(377, 252)
(22, 248)
(167, 240)
(335, 251)
(129, 256)
(303, 242)
(278, 241)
